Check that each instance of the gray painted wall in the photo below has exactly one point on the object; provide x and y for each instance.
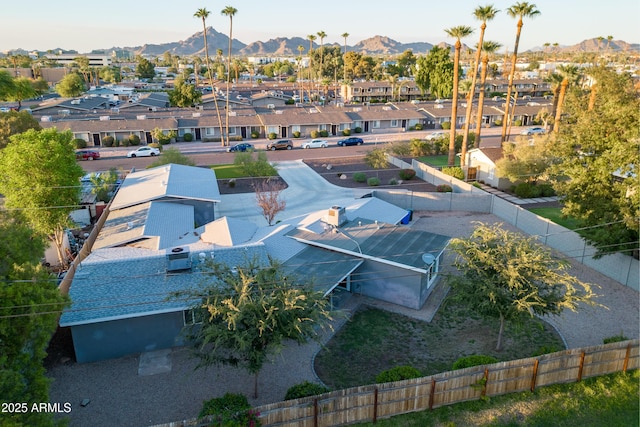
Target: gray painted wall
(388, 283)
(117, 338)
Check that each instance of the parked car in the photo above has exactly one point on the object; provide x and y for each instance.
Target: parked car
(350, 141)
(283, 144)
(533, 131)
(243, 146)
(315, 143)
(144, 152)
(87, 155)
(436, 135)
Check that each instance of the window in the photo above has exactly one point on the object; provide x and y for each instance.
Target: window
(192, 317)
(394, 123)
(273, 129)
(209, 131)
(376, 124)
(295, 128)
(322, 127)
(232, 131)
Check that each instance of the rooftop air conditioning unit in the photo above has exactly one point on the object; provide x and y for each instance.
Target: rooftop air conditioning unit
(232, 113)
(336, 216)
(195, 114)
(178, 259)
(104, 118)
(45, 118)
(141, 117)
(278, 111)
(271, 106)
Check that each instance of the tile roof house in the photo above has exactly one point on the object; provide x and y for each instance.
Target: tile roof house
(158, 236)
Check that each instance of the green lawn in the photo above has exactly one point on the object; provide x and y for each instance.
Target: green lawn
(609, 400)
(555, 215)
(228, 171)
(438, 161)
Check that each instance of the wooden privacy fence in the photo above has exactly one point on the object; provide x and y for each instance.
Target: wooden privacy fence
(368, 403)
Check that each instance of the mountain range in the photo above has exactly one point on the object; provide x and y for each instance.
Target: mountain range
(377, 45)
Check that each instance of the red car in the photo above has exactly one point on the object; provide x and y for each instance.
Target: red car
(87, 155)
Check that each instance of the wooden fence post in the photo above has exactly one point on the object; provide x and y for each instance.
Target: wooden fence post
(581, 367)
(535, 375)
(484, 383)
(626, 358)
(315, 412)
(433, 391)
(375, 405)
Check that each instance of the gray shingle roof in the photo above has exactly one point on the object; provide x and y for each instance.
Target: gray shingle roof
(171, 180)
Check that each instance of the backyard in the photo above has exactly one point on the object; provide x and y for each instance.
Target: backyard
(375, 340)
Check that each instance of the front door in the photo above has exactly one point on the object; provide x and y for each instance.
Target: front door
(283, 131)
(366, 126)
(148, 137)
(198, 134)
(96, 139)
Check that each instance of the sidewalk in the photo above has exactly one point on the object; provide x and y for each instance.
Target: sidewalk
(515, 199)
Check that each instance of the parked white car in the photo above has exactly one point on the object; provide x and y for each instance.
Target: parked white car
(315, 143)
(144, 152)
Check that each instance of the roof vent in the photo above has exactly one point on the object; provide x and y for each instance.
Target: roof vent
(178, 259)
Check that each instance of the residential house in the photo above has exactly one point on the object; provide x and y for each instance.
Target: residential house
(483, 160)
(161, 231)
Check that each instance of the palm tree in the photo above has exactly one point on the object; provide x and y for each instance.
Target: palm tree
(311, 38)
(300, 85)
(230, 12)
(345, 35)
(457, 33)
(488, 48)
(204, 14)
(570, 75)
(484, 14)
(322, 35)
(519, 10)
(609, 38)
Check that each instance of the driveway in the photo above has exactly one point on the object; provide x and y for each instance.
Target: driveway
(307, 192)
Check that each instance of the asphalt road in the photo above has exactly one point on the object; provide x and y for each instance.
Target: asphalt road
(205, 154)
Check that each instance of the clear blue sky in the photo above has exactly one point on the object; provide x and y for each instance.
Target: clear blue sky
(86, 25)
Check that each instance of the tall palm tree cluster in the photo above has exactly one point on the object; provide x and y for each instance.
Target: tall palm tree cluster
(483, 14)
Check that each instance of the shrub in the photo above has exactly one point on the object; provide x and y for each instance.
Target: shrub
(80, 143)
(397, 374)
(125, 142)
(444, 188)
(446, 125)
(517, 122)
(346, 132)
(188, 137)
(296, 134)
(289, 102)
(232, 183)
(324, 133)
(305, 389)
(229, 410)
(418, 126)
(400, 149)
(615, 338)
(258, 166)
(476, 184)
(526, 190)
(393, 181)
(546, 190)
(357, 129)
(107, 141)
(373, 181)
(156, 145)
(498, 122)
(134, 139)
(360, 177)
(272, 135)
(118, 142)
(315, 133)
(473, 360)
(255, 134)
(545, 350)
(407, 174)
(418, 147)
(455, 172)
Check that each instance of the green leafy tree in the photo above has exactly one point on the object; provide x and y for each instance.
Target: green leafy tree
(597, 176)
(376, 158)
(525, 162)
(6, 85)
(508, 276)
(71, 86)
(172, 155)
(184, 94)
(249, 311)
(40, 178)
(103, 184)
(434, 73)
(145, 69)
(15, 122)
(22, 89)
(28, 319)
